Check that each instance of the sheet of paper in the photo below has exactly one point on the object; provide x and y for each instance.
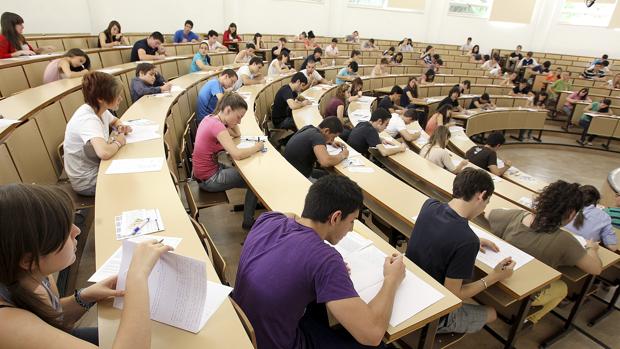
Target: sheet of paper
(245, 144)
(496, 179)
(500, 163)
(360, 169)
(8, 122)
(366, 99)
(110, 70)
(216, 295)
(135, 165)
(138, 222)
(366, 267)
(525, 201)
(175, 89)
(456, 129)
(352, 242)
(333, 150)
(139, 122)
(356, 161)
(254, 138)
(142, 133)
(491, 258)
(581, 239)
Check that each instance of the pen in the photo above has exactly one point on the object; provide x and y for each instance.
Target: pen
(137, 229)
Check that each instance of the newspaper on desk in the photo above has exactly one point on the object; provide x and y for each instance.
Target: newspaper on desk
(492, 258)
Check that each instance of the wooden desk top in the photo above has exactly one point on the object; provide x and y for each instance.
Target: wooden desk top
(262, 170)
(118, 193)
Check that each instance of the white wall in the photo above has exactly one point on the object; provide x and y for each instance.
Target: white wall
(330, 18)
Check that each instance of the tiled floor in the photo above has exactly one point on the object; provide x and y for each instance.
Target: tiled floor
(548, 162)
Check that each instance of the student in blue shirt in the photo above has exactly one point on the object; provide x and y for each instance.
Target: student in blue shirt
(212, 92)
(201, 60)
(347, 73)
(186, 34)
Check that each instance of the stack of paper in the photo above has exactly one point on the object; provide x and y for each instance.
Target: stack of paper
(138, 222)
(141, 133)
(135, 165)
(492, 258)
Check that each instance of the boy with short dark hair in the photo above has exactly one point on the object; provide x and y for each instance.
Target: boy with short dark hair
(390, 102)
(286, 100)
(147, 82)
(186, 34)
(315, 57)
(365, 135)
(250, 74)
(485, 156)
(150, 48)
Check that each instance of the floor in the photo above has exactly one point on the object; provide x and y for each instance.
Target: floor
(549, 162)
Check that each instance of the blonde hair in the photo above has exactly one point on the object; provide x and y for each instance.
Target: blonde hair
(440, 138)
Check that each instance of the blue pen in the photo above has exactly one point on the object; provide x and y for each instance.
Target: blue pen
(137, 229)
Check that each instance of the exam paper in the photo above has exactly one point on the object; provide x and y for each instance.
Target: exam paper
(135, 165)
(138, 222)
(360, 169)
(176, 88)
(142, 133)
(491, 258)
(366, 99)
(8, 122)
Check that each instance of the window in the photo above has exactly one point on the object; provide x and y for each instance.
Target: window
(398, 5)
(475, 8)
(368, 3)
(576, 12)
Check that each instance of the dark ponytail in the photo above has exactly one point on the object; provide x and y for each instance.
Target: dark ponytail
(591, 196)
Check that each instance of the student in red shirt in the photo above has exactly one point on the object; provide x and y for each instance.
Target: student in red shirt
(231, 38)
(12, 42)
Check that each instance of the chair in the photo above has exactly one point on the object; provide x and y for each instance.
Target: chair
(205, 199)
(214, 255)
(249, 329)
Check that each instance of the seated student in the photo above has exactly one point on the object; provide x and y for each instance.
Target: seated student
(435, 151)
(147, 82)
(601, 107)
(331, 50)
(292, 315)
(483, 102)
(389, 52)
(427, 57)
(231, 38)
(301, 37)
(453, 99)
(357, 89)
(186, 34)
(390, 102)
(215, 134)
(444, 246)
(600, 60)
(12, 41)
(315, 56)
(250, 74)
(313, 76)
(514, 58)
(436, 63)
(410, 93)
(308, 147)
(615, 82)
(440, 117)
(356, 56)
(591, 222)
(281, 47)
(347, 73)
(540, 101)
(527, 61)
(492, 66)
(467, 46)
(406, 45)
(353, 38)
(112, 36)
(485, 156)
(337, 106)
(214, 44)
(475, 50)
(244, 56)
(428, 77)
(511, 80)
(540, 234)
(544, 68)
(369, 45)
(381, 68)
(149, 49)
(309, 41)
(201, 60)
(561, 84)
(212, 92)
(257, 40)
(279, 65)
(365, 135)
(38, 239)
(87, 136)
(73, 64)
(286, 101)
(397, 59)
(553, 76)
(397, 127)
(465, 87)
(595, 72)
(581, 95)
(523, 89)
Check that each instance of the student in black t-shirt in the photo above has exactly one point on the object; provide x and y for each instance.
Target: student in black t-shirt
(410, 93)
(309, 146)
(390, 102)
(149, 48)
(453, 99)
(523, 89)
(286, 101)
(278, 49)
(444, 246)
(366, 135)
(465, 87)
(315, 56)
(485, 156)
(483, 102)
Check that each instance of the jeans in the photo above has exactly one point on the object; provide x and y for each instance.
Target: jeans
(548, 298)
(88, 334)
(287, 124)
(585, 125)
(228, 178)
(87, 192)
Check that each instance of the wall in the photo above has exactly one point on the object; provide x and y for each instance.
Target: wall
(73, 17)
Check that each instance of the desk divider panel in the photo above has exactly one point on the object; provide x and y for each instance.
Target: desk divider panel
(71, 102)
(34, 165)
(52, 124)
(34, 72)
(111, 58)
(95, 61)
(70, 43)
(12, 80)
(9, 172)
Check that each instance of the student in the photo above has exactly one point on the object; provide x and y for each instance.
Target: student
(601, 107)
(511, 80)
(527, 61)
(308, 146)
(147, 82)
(286, 100)
(353, 38)
(214, 44)
(148, 49)
(301, 37)
(244, 56)
(562, 84)
(356, 55)
(428, 77)
(250, 74)
(427, 57)
(406, 45)
(453, 99)
(381, 68)
(231, 38)
(514, 58)
(279, 65)
(539, 234)
(347, 73)
(600, 60)
(540, 102)
(485, 156)
(215, 134)
(313, 76)
(309, 41)
(12, 41)
(581, 95)
(186, 34)
(465, 87)
(357, 89)
(112, 36)
(444, 246)
(73, 64)
(389, 52)
(410, 93)
(397, 59)
(281, 47)
(591, 222)
(595, 72)
(397, 127)
(331, 50)
(337, 106)
(483, 102)
(615, 82)
(390, 102)
(212, 92)
(435, 151)
(523, 89)
(365, 135)
(369, 45)
(315, 56)
(439, 118)
(436, 63)
(467, 46)
(201, 60)
(87, 136)
(257, 40)
(475, 50)
(544, 68)
(37, 240)
(553, 76)
(293, 315)
(492, 66)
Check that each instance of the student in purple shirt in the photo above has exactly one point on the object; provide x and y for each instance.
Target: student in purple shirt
(288, 275)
